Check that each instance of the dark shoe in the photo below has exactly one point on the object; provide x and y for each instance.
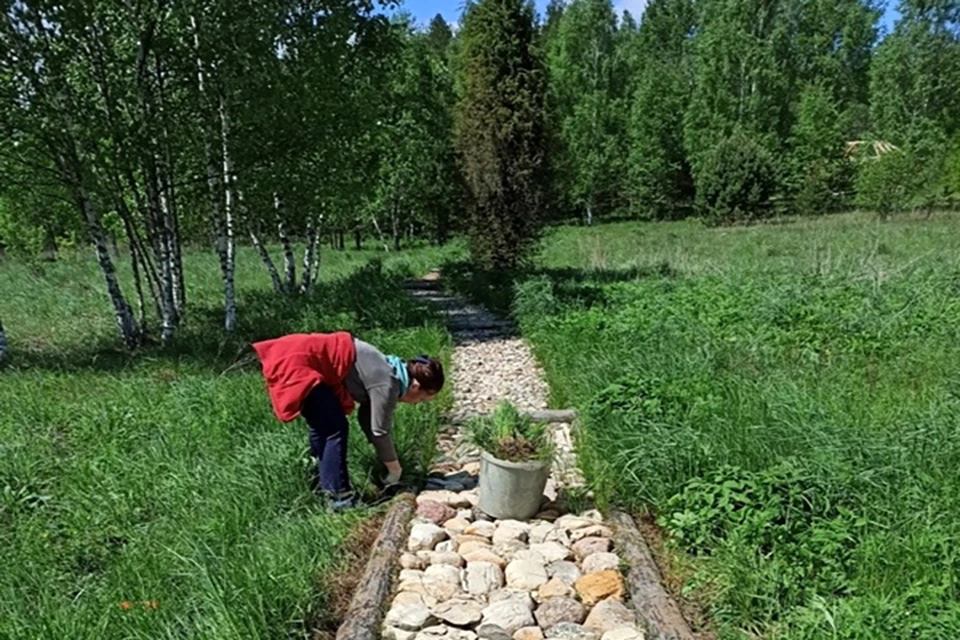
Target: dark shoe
(342, 502)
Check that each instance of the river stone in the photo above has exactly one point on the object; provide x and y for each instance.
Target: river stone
(451, 558)
(509, 549)
(447, 546)
(624, 633)
(449, 498)
(608, 615)
(593, 515)
(492, 632)
(529, 555)
(459, 613)
(538, 532)
(594, 531)
(392, 633)
(557, 610)
(572, 522)
(435, 512)
(598, 586)
(471, 546)
(471, 468)
(456, 525)
(442, 582)
(410, 561)
(550, 515)
(413, 598)
(510, 530)
(464, 538)
(526, 574)
(571, 631)
(465, 514)
(589, 546)
(409, 617)
(485, 555)
(424, 536)
(517, 595)
(529, 633)
(601, 562)
(509, 615)
(559, 536)
(567, 572)
(555, 588)
(483, 577)
(552, 551)
(446, 633)
(482, 529)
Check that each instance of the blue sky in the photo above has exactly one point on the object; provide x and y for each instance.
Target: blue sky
(424, 10)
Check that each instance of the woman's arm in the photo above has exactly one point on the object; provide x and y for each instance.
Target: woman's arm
(376, 420)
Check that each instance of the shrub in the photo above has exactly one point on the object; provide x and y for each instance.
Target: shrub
(886, 184)
(736, 182)
(509, 436)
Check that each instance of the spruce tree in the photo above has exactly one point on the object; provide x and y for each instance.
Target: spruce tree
(500, 131)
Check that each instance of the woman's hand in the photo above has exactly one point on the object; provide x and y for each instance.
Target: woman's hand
(394, 471)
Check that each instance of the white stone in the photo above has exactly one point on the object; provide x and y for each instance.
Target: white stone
(446, 633)
(410, 561)
(456, 526)
(571, 522)
(451, 558)
(509, 549)
(610, 614)
(447, 546)
(558, 535)
(530, 555)
(566, 571)
(424, 536)
(460, 613)
(409, 617)
(481, 528)
(483, 577)
(510, 530)
(449, 498)
(598, 562)
(521, 596)
(392, 633)
(529, 633)
(509, 615)
(552, 551)
(465, 514)
(484, 555)
(597, 530)
(492, 632)
(442, 582)
(624, 633)
(539, 532)
(526, 574)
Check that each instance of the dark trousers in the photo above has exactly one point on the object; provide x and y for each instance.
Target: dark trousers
(329, 431)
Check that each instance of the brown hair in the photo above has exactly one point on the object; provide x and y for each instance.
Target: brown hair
(428, 372)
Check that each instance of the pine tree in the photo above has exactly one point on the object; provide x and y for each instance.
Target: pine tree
(500, 131)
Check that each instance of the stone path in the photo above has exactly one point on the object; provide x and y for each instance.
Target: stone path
(465, 577)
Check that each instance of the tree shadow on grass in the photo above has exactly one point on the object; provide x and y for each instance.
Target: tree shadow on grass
(496, 290)
(371, 298)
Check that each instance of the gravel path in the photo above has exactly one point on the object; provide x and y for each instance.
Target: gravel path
(467, 577)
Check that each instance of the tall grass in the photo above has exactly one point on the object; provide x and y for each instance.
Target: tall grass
(155, 495)
(785, 398)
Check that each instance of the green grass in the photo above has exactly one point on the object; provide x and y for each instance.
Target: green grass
(786, 398)
(163, 475)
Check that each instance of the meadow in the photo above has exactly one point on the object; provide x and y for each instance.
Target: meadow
(154, 494)
(783, 399)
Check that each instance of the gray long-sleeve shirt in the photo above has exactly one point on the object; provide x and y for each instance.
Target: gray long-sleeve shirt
(372, 383)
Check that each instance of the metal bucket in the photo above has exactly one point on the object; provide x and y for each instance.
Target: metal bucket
(511, 490)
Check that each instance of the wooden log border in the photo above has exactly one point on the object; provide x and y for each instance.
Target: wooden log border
(365, 614)
(654, 606)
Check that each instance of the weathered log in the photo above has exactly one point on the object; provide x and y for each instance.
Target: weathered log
(363, 618)
(653, 604)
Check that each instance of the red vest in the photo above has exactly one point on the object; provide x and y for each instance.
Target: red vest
(293, 365)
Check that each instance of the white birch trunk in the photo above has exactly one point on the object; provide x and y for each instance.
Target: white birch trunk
(126, 323)
(376, 225)
(310, 256)
(230, 296)
(258, 245)
(289, 260)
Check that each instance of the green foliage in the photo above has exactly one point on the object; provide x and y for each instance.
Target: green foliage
(509, 436)
(585, 67)
(660, 180)
(164, 475)
(783, 398)
(888, 183)
(499, 120)
(736, 182)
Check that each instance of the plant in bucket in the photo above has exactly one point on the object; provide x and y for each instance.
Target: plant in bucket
(514, 464)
